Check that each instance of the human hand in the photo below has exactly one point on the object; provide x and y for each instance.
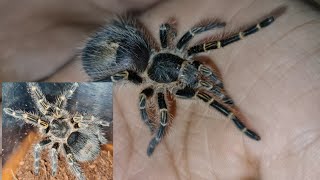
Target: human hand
(40, 38)
(273, 77)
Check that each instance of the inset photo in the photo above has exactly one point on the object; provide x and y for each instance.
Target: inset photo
(57, 131)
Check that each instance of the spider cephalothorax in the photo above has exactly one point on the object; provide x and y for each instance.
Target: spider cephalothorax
(124, 51)
(78, 136)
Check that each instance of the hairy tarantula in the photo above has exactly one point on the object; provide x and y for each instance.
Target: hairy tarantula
(124, 51)
(77, 135)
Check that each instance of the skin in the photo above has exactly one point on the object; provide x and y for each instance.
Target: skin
(38, 38)
(274, 78)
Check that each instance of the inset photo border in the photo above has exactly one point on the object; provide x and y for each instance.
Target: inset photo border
(57, 130)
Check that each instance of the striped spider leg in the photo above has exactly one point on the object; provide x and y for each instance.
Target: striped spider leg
(163, 112)
(189, 93)
(224, 42)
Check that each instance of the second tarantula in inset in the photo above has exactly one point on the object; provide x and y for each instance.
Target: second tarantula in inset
(124, 51)
(78, 136)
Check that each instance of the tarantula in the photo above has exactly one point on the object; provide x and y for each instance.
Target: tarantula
(78, 136)
(122, 50)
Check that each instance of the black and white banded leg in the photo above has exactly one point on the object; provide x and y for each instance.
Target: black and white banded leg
(189, 93)
(163, 124)
(143, 97)
(127, 75)
(73, 165)
(37, 154)
(88, 119)
(39, 98)
(217, 91)
(208, 73)
(54, 158)
(197, 29)
(224, 42)
(62, 99)
(29, 118)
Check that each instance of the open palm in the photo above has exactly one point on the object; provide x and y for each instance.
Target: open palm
(273, 77)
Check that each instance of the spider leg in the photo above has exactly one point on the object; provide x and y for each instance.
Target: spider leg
(62, 99)
(164, 30)
(146, 93)
(73, 165)
(163, 123)
(225, 111)
(208, 73)
(54, 158)
(217, 87)
(198, 29)
(167, 32)
(104, 79)
(39, 98)
(224, 42)
(217, 91)
(27, 117)
(127, 75)
(188, 93)
(87, 119)
(37, 149)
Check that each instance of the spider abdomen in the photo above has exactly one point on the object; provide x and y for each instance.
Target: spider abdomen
(85, 147)
(119, 46)
(165, 68)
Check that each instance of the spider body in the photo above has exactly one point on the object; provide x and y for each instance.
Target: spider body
(124, 51)
(59, 128)
(77, 136)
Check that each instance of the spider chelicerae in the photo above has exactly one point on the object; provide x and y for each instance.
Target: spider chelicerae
(122, 50)
(78, 136)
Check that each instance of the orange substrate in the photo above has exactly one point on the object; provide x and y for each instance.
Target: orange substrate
(16, 157)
